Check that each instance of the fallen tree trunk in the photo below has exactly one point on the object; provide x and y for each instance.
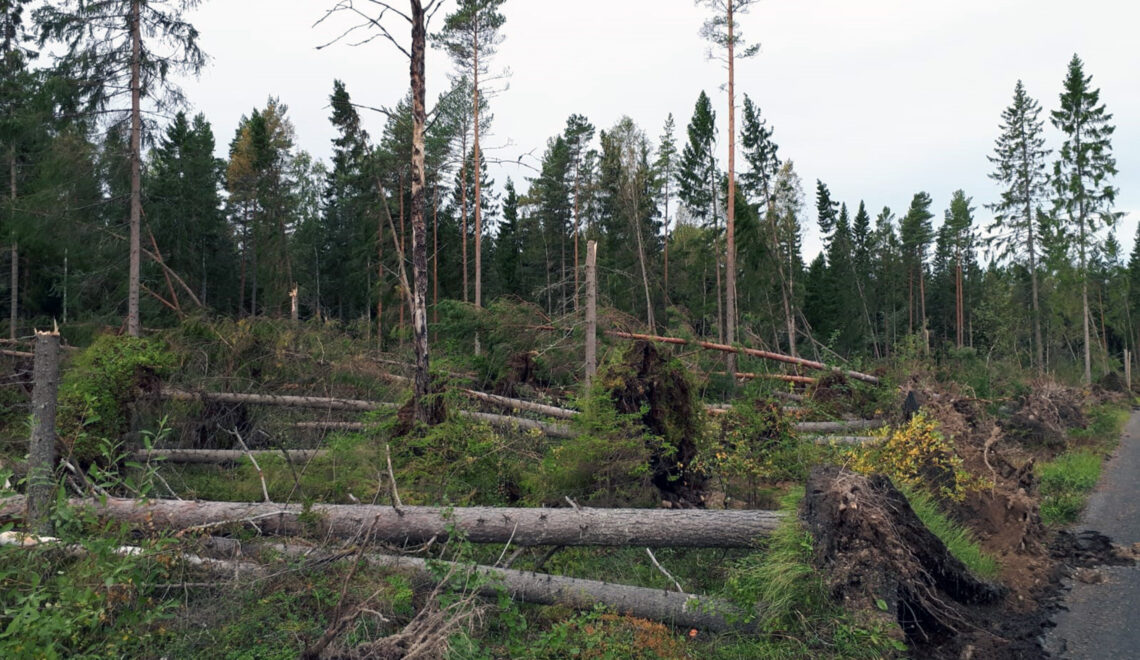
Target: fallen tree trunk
(767, 355)
(685, 611)
(846, 439)
(323, 403)
(512, 423)
(787, 378)
(658, 528)
(220, 456)
(839, 427)
(519, 404)
(501, 401)
(24, 355)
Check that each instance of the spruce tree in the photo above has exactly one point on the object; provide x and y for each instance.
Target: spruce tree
(1020, 169)
(122, 52)
(665, 170)
(916, 233)
(699, 185)
(1083, 196)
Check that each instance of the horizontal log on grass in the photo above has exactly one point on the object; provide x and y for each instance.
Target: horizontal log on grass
(685, 611)
(767, 355)
(220, 456)
(846, 440)
(497, 421)
(839, 427)
(323, 403)
(657, 528)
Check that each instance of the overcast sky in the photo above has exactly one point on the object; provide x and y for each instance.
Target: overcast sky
(878, 98)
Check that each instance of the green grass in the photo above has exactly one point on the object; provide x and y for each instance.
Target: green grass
(959, 540)
(1066, 482)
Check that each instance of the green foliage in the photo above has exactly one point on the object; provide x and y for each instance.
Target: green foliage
(96, 393)
(959, 540)
(91, 601)
(607, 463)
(756, 445)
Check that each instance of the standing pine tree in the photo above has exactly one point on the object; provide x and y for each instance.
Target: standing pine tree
(109, 58)
(471, 33)
(1083, 196)
(722, 31)
(578, 135)
(1019, 167)
(959, 222)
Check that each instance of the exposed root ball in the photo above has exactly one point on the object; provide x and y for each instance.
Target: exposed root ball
(874, 550)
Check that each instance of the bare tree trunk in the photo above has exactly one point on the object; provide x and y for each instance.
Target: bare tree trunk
(730, 251)
(380, 275)
(419, 243)
(435, 255)
(41, 451)
(14, 301)
(136, 176)
(403, 248)
(658, 528)
(463, 213)
(478, 186)
(591, 312)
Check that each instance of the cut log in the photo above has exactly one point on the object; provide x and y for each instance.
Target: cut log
(657, 528)
(685, 611)
(220, 456)
(840, 427)
(767, 355)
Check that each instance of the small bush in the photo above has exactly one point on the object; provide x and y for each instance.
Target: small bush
(919, 457)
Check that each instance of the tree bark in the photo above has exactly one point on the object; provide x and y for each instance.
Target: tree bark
(411, 525)
(419, 243)
(136, 174)
(591, 312)
(683, 611)
(13, 302)
(478, 182)
(730, 247)
(41, 450)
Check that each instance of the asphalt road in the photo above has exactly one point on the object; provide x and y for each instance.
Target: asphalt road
(1103, 620)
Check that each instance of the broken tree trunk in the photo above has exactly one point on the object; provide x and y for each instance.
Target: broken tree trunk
(41, 450)
(592, 309)
(767, 355)
(220, 456)
(656, 528)
(685, 611)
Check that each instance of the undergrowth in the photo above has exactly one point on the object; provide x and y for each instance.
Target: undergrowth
(1067, 480)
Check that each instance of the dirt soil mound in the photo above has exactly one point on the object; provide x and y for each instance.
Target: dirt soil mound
(874, 551)
(1044, 416)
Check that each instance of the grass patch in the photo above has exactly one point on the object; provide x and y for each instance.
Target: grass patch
(1066, 482)
(959, 540)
